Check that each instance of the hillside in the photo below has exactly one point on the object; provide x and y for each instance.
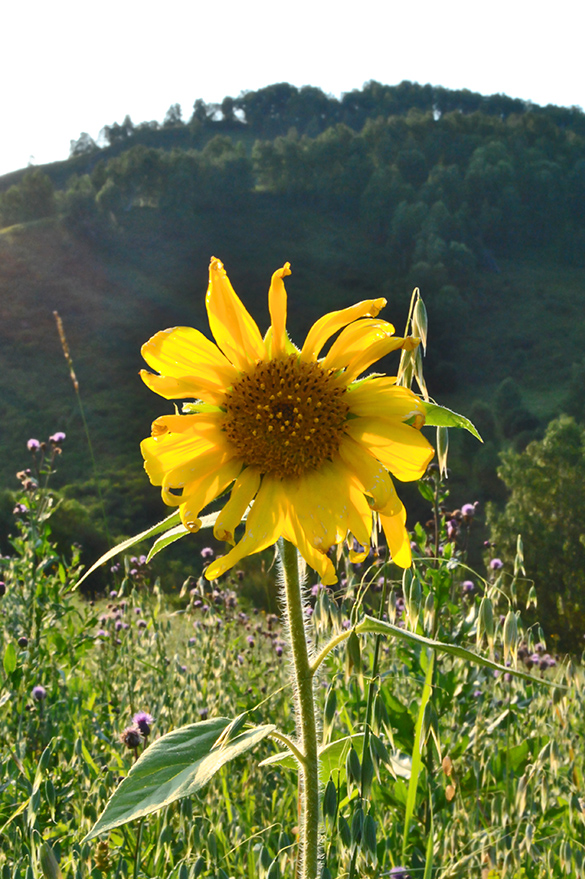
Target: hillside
(481, 205)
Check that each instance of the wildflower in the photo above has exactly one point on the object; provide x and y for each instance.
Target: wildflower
(39, 693)
(468, 587)
(143, 720)
(33, 445)
(131, 737)
(468, 510)
(20, 510)
(207, 553)
(141, 624)
(399, 873)
(57, 438)
(300, 436)
(496, 564)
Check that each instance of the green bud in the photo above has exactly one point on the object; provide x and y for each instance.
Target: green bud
(510, 636)
(49, 864)
(442, 449)
(352, 766)
(420, 322)
(330, 799)
(231, 731)
(429, 613)
(357, 824)
(369, 835)
(344, 831)
(485, 622)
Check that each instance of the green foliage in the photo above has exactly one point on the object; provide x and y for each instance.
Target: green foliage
(204, 658)
(546, 505)
(31, 199)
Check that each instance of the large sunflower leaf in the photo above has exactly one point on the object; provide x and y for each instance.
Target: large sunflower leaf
(174, 766)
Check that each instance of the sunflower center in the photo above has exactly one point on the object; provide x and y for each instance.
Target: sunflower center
(286, 416)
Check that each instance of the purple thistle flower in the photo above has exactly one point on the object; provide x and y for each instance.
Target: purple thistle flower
(468, 587)
(141, 624)
(468, 510)
(496, 564)
(20, 510)
(250, 640)
(143, 721)
(57, 438)
(399, 873)
(102, 633)
(207, 553)
(33, 445)
(38, 693)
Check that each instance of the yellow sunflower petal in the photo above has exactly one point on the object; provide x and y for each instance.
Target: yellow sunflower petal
(233, 328)
(207, 387)
(360, 516)
(361, 344)
(277, 308)
(397, 537)
(243, 493)
(187, 476)
(320, 506)
(372, 475)
(326, 326)
(354, 339)
(168, 449)
(185, 353)
(206, 489)
(402, 449)
(381, 396)
(263, 528)
(315, 558)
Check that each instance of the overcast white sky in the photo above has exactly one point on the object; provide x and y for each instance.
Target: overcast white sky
(70, 67)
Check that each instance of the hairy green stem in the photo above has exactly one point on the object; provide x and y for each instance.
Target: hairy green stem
(305, 711)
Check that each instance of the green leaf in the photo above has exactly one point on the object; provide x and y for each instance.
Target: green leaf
(439, 416)
(168, 524)
(174, 766)
(332, 758)
(380, 627)
(9, 658)
(417, 753)
(171, 535)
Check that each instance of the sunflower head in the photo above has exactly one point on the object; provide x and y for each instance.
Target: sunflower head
(304, 442)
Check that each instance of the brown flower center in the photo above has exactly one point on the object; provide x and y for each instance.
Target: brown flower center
(286, 416)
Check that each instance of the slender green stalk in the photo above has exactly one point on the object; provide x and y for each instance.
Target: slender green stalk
(305, 711)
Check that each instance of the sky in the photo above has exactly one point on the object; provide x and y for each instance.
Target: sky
(71, 67)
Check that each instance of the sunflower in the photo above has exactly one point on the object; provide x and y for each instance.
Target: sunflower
(299, 437)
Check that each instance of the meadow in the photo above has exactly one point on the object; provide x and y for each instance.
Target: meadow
(431, 765)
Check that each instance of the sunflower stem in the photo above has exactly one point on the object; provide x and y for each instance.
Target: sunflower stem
(305, 711)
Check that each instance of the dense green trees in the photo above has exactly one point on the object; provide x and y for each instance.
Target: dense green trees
(547, 507)
(31, 199)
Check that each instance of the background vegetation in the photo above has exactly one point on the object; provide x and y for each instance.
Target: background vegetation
(479, 201)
